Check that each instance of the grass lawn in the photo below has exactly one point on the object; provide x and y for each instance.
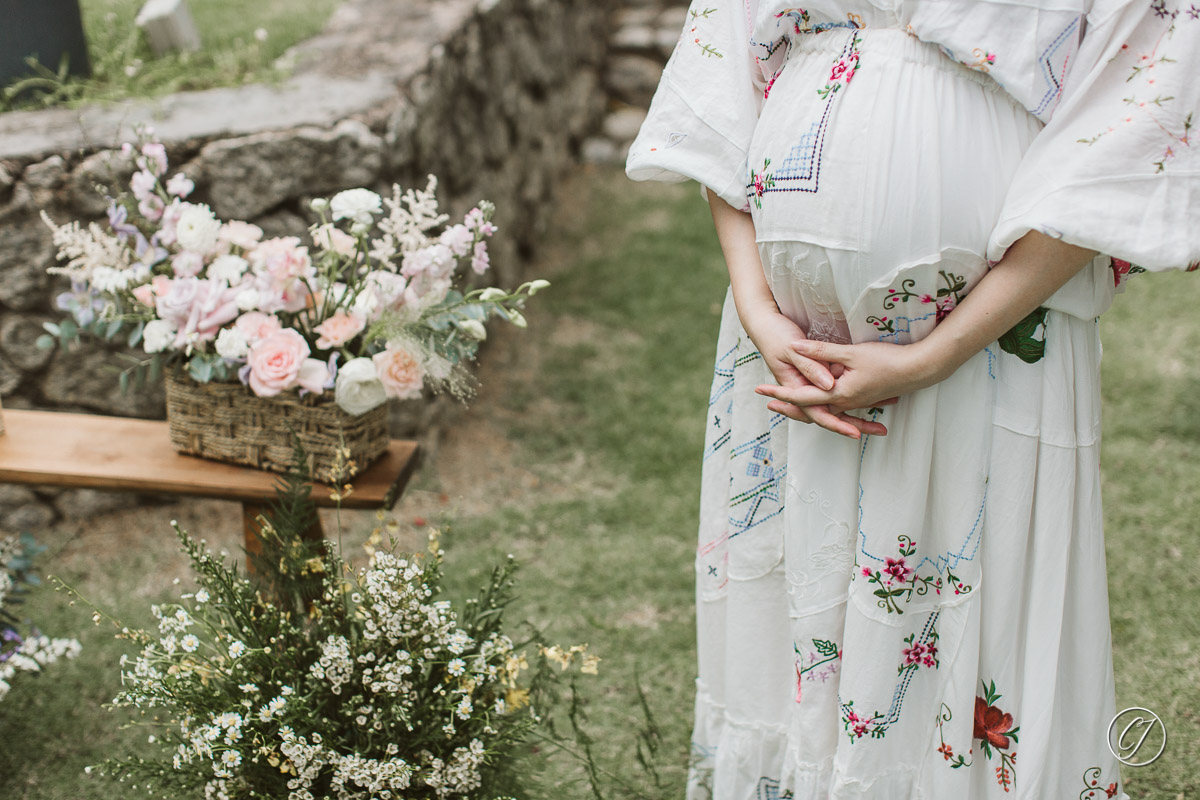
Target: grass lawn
(124, 67)
(581, 457)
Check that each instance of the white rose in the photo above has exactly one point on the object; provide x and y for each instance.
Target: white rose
(157, 336)
(356, 204)
(358, 388)
(228, 268)
(198, 229)
(232, 344)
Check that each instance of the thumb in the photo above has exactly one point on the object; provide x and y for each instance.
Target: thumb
(817, 373)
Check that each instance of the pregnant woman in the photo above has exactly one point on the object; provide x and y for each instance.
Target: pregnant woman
(924, 206)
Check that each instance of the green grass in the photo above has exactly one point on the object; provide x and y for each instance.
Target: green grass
(231, 54)
(600, 408)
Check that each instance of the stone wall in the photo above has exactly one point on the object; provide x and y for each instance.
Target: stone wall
(496, 97)
(643, 36)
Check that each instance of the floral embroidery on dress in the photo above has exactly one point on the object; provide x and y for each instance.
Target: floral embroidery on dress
(921, 652)
(761, 181)
(842, 71)
(956, 760)
(705, 47)
(822, 663)
(1091, 785)
(897, 580)
(948, 296)
(1146, 101)
(994, 728)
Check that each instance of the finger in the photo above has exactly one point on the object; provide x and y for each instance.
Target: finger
(790, 411)
(828, 352)
(836, 370)
(866, 426)
(832, 422)
(817, 373)
(797, 395)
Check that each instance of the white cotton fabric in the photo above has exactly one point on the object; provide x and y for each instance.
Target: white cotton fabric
(922, 615)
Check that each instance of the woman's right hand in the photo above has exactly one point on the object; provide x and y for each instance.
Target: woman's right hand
(775, 336)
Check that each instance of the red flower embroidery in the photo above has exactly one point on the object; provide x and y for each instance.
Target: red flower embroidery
(991, 724)
(1111, 791)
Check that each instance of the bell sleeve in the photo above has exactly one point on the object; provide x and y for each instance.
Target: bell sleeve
(706, 106)
(1117, 167)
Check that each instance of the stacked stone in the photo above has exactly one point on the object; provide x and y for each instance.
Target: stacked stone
(496, 97)
(644, 34)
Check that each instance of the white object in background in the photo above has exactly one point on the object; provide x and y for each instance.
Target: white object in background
(169, 26)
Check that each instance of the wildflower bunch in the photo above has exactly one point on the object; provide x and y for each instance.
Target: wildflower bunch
(374, 686)
(22, 650)
(365, 310)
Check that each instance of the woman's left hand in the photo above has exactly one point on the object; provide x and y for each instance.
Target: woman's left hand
(875, 374)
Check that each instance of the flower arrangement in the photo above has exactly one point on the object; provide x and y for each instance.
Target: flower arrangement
(366, 310)
(371, 686)
(31, 651)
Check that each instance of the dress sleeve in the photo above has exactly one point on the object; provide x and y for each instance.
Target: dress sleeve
(1116, 169)
(706, 106)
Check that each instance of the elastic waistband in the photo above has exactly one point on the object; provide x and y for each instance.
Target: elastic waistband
(892, 43)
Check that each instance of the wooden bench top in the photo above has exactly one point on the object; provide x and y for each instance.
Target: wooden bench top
(53, 448)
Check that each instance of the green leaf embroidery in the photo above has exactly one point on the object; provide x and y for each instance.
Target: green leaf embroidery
(1021, 340)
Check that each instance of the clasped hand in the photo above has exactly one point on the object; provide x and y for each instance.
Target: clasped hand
(820, 382)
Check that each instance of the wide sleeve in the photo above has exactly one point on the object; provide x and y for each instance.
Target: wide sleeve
(707, 102)
(1115, 169)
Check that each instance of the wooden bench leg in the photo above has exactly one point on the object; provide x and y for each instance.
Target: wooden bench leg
(251, 529)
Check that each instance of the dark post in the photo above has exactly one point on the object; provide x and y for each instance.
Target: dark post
(45, 29)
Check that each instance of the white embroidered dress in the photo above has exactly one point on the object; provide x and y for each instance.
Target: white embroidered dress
(921, 615)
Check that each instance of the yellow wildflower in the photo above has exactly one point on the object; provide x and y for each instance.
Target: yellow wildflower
(591, 665)
(516, 698)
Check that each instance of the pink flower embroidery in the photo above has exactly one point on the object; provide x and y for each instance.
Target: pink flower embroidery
(896, 569)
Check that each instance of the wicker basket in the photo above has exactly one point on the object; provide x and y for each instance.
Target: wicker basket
(225, 422)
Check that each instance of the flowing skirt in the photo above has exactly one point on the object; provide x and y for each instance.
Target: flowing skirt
(920, 615)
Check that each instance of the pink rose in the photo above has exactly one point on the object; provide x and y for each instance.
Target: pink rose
(240, 234)
(282, 258)
(329, 238)
(400, 373)
(339, 329)
(275, 362)
(257, 325)
(313, 376)
(144, 294)
(175, 304)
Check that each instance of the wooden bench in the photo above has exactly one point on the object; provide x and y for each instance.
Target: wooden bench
(49, 448)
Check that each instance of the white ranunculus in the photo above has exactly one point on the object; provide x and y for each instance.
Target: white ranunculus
(157, 336)
(358, 387)
(356, 204)
(247, 299)
(232, 344)
(197, 229)
(229, 268)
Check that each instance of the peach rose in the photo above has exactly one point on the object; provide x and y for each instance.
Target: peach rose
(144, 294)
(257, 325)
(339, 329)
(400, 373)
(275, 362)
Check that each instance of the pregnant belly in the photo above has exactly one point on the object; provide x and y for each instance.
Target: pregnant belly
(878, 169)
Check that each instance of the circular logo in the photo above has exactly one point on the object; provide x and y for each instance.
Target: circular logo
(1136, 733)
